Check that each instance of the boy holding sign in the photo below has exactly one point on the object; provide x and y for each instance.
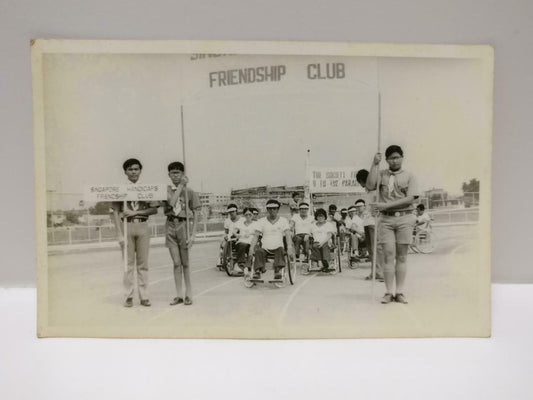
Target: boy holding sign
(138, 236)
(181, 204)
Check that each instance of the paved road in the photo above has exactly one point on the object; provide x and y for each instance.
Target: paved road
(85, 298)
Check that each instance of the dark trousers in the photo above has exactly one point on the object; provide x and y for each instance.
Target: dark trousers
(299, 240)
(261, 257)
(242, 251)
(320, 253)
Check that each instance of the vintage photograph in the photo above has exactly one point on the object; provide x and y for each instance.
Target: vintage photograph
(262, 190)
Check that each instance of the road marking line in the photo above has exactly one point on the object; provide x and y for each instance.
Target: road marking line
(195, 296)
(291, 297)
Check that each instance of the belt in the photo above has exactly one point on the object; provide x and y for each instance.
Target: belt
(396, 213)
(136, 219)
(174, 218)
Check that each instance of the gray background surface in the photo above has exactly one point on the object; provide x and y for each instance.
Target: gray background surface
(505, 25)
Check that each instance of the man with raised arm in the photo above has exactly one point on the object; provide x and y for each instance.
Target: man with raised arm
(396, 194)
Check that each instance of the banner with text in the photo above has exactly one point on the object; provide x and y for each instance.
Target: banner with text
(333, 180)
(126, 192)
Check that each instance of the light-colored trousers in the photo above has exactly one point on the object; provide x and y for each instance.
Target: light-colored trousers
(138, 246)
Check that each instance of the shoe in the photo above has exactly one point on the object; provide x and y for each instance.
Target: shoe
(177, 300)
(277, 276)
(146, 303)
(325, 269)
(187, 301)
(400, 298)
(257, 275)
(380, 278)
(387, 298)
(129, 302)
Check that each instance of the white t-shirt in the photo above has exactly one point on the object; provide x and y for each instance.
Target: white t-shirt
(272, 232)
(426, 219)
(302, 226)
(320, 233)
(356, 224)
(246, 232)
(230, 225)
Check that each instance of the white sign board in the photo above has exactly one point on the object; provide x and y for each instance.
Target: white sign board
(126, 192)
(333, 180)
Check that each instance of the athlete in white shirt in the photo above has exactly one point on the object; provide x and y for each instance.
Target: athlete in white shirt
(230, 231)
(246, 228)
(422, 219)
(273, 228)
(301, 226)
(356, 228)
(322, 232)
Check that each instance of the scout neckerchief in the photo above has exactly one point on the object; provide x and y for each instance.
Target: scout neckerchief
(134, 204)
(392, 180)
(177, 207)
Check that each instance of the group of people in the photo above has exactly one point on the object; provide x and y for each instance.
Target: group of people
(272, 236)
(182, 205)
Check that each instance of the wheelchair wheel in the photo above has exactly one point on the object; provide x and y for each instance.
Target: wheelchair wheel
(424, 242)
(304, 269)
(247, 277)
(291, 268)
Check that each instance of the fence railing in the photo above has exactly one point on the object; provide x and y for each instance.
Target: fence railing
(77, 234)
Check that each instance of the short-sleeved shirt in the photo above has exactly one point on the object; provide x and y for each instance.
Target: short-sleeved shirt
(302, 226)
(272, 232)
(405, 184)
(194, 203)
(320, 233)
(425, 218)
(356, 224)
(246, 232)
(231, 226)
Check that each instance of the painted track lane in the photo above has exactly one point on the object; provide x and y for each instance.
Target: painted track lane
(86, 290)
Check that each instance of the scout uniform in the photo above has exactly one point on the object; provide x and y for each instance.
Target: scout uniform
(176, 233)
(396, 225)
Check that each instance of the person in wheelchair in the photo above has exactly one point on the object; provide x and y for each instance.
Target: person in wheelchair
(322, 232)
(245, 228)
(356, 229)
(273, 229)
(423, 220)
(255, 214)
(301, 226)
(230, 231)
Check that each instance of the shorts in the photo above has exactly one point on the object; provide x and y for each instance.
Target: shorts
(397, 230)
(176, 234)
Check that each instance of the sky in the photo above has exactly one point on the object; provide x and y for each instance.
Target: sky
(103, 109)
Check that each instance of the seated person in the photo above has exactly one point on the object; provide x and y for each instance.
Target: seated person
(229, 229)
(301, 226)
(273, 228)
(423, 219)
(356, 229)
(246, 228)
(295, 202)
(322, 233)
(334, 218)
(255, 214)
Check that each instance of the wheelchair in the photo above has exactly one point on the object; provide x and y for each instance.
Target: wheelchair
(288, 272)
(423, 241)
(364, 256)
(335, 266)
(228, 259)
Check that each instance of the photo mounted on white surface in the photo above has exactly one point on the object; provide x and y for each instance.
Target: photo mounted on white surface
(262, 189)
